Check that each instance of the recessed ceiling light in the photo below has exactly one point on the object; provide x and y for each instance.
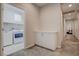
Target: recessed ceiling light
(70, 5)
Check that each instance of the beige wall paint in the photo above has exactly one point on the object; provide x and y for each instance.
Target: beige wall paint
(77, 25)
(48, 18)
(51, 20)
(76, 28)
(32, 22)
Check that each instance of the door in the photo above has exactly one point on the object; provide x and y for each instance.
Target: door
(12, 14)
(39, 38)
(50, 40)
(7, 38)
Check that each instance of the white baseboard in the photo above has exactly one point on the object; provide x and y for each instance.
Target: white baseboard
(58, 46)
(30, 46)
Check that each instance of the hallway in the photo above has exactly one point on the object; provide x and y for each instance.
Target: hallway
(66, 50)
(71, 44)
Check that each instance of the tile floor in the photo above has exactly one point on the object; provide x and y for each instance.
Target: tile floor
(39, 51)
(67, 50)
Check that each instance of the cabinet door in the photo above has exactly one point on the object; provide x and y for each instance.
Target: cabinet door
(47, 40)
(7, 13)
(12, 14)
(7, 38)
(18, 18)
(39, 38)
(50, 40)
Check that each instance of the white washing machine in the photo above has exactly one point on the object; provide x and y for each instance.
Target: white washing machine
(17, 42)
(18, 36)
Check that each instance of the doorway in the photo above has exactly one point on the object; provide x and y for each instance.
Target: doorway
(71, 40)
(71, 26)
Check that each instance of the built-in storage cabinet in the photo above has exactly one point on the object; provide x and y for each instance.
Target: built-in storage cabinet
(12, 14)
(7, 38)
(47, 39)
(13, 29)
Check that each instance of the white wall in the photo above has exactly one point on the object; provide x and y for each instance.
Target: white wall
(51, 20)
(76, 26)
(48, 18)
(32, 23)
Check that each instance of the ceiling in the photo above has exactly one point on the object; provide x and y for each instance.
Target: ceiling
(70, 16)
(70, 12)
(40, 4)
(65, 9)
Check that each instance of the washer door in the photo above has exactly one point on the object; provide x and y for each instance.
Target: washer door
(18, 37)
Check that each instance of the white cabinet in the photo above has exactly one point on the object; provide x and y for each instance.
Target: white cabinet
(47, 39)
(7, 38)
(13, 48)
(12, 14)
